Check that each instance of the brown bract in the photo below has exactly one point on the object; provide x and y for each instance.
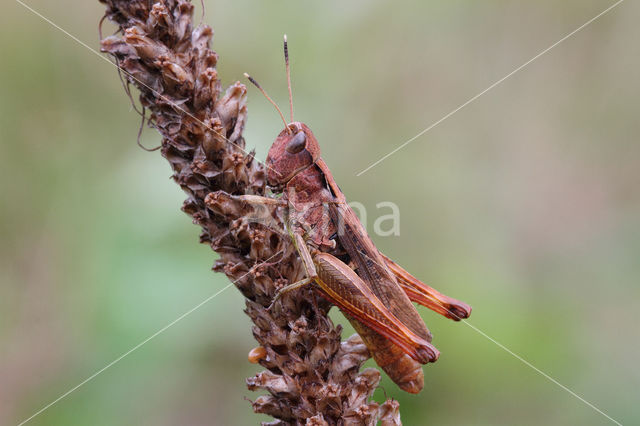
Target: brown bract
(310, 377)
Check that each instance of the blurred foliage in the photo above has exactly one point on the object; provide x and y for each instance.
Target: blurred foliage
(524, 204)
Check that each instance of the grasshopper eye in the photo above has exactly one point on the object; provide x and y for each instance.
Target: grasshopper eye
(297, 143)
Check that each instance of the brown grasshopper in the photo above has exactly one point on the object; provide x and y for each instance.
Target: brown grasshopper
(373, 292)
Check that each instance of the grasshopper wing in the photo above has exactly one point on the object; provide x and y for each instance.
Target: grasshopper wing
(342, 286)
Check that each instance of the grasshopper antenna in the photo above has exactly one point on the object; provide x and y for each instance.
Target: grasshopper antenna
(286, 62)
(255, 83)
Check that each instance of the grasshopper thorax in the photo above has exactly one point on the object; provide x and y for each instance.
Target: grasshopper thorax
(294, 150)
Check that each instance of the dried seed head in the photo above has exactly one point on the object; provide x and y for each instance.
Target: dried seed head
(309, 373)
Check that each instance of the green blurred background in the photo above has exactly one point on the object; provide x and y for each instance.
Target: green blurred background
(525, 204)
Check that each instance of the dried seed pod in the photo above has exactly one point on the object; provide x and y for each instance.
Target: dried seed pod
(389, 413)
(147, 48)
(159, 17)
(317, 420)
(116, 46)
(207, 87)
(232, 110)
(173, 73)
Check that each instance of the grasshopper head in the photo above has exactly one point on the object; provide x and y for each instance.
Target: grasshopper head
(294, 150)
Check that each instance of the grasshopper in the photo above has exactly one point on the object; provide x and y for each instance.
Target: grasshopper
(343, 263)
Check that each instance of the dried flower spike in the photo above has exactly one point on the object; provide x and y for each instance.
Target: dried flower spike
(311, 377)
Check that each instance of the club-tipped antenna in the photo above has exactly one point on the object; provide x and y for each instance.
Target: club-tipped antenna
(255, 83)
(286, 62)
